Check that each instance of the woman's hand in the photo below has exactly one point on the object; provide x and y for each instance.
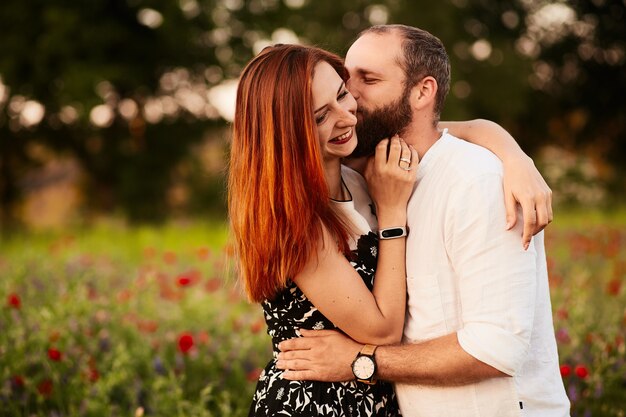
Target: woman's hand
(390, 179)
(524, 184)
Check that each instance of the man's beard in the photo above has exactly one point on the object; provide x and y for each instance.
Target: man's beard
(381, 123)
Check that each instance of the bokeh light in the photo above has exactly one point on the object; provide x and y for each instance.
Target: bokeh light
(150, 17)
(102, 115)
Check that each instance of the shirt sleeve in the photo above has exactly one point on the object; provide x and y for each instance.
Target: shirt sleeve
(497, 278)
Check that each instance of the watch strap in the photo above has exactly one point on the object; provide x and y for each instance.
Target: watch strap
(368, 350)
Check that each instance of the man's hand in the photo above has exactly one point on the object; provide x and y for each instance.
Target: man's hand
(321, 355)
(524, 184)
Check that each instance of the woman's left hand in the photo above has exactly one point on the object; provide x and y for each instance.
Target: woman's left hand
(524, 184)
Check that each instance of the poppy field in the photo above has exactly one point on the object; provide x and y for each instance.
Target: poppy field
(115, 320)
(112, 321)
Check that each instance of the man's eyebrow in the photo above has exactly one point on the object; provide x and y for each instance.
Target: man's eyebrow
(338, 91)
(364, 72)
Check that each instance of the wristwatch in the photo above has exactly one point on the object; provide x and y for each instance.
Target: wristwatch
(364, 365)
(393, 233)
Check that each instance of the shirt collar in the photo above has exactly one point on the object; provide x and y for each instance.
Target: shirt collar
(432, 153)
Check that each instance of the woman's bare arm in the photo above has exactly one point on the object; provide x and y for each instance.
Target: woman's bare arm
(337, 290)
(523, 183)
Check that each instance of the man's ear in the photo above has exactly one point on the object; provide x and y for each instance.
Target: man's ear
(424, 93)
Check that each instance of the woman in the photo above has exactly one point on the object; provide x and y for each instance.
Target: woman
(303, 229)
(295, 225)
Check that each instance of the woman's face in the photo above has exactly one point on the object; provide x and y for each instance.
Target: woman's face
(334, 112)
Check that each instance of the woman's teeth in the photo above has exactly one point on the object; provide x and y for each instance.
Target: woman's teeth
(342, 137)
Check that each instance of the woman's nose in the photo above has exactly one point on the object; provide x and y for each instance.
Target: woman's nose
(348, 115)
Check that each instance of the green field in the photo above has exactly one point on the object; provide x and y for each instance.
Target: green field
(117, 320)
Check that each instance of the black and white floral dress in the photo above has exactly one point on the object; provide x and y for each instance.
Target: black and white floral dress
(291, 310)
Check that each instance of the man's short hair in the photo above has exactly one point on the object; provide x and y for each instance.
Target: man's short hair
(424, 55)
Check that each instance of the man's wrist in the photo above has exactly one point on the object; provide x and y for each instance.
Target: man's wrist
(364, 365)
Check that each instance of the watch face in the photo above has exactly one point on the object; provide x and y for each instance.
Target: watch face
(395, 232)
(363, 367)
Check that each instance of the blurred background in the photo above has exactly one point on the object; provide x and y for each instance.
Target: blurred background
(118, 292)
(122, 107)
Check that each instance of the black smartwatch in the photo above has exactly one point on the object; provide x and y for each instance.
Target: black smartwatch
(393, 233)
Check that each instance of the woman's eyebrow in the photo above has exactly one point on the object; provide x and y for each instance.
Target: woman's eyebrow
(338, 91)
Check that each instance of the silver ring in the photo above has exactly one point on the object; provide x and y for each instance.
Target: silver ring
(405, 160)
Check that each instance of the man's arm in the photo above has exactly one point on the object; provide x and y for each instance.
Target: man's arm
(326, 355)
(438, 362)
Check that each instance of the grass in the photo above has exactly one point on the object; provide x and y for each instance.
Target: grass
(118, 320)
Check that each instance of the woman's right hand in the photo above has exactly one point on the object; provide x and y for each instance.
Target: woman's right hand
(390, 179)
(376, 316)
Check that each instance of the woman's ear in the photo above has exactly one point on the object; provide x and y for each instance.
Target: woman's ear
(424, 93)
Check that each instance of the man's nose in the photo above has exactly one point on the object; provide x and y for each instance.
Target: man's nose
(351, 86)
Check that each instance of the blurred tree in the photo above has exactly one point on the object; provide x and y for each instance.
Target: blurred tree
(580, 79)
(90, 67)
(125, 86)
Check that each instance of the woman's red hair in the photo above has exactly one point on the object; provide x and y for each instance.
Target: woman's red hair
(278, 197)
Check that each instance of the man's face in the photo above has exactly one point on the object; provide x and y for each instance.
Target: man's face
(377, 82)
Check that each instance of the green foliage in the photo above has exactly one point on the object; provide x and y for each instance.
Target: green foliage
(564, 89)
(57, 51)
(116, 301)
(587, 268)
(115, 304)
(580, 106)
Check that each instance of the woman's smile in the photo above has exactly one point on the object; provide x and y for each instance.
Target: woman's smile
(341, 139)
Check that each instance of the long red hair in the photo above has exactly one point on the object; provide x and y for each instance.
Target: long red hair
(278, 197)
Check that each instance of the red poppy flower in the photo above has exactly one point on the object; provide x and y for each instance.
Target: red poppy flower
(185, 342)
(148, 326)
(581, 371)
(92, 294)
(254, 374)
(257, 326)
(204, 337)
(183, 280)
(169, 257)
(566, 370)
(18, 380)
(613, 287)
(203, 253)
(93, 374)
(14, 301)
(124, 295)
(149, 252)
(55, 354)
(562, 313)
(45, 388)
(54, 336)
(213, 285)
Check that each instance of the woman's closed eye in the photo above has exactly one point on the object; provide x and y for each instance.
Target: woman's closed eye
(319, 119)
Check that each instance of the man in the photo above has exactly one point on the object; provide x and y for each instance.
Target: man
(478, 338)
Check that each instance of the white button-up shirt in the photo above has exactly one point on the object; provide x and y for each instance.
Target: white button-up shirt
(467, 274)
